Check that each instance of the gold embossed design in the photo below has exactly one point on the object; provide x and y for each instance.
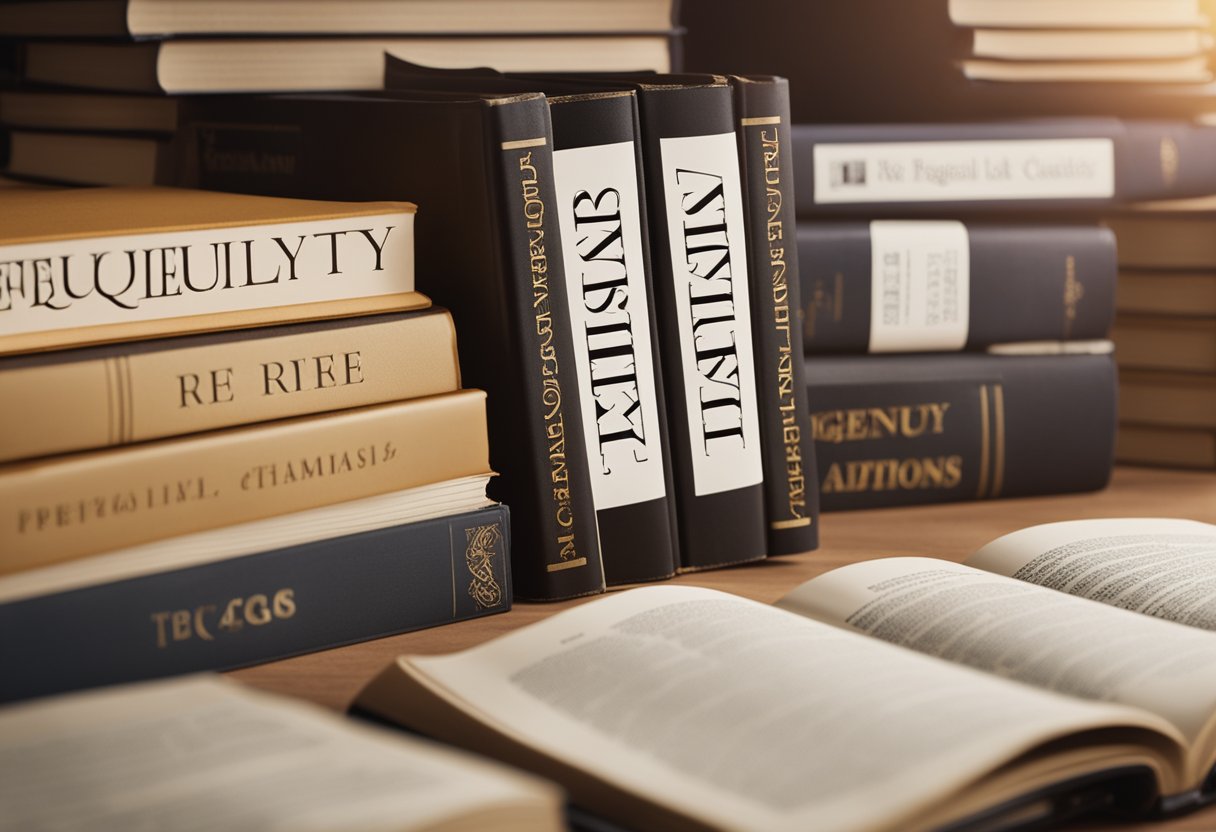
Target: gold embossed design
(1074, 291)
(479, 554)
(1169, 161)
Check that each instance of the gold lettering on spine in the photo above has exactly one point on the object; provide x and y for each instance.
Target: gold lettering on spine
(480, 551)
(985, 443)
(1073, 292)
(551, 391)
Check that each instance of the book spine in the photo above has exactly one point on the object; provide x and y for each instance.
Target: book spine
(791, 494)
(695, 196)
(192, 384)
(63, 293)
(929, 285)
(600, 208)
(907, 429)
(259, 607)
(1063, 163)
(69, 507)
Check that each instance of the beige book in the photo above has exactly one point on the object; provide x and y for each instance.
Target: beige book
(67, 507)
(1169, 447)
(1193, 70)
(681, 707)
(1165, 399)
(1167, 234)
(78, 400)
(89, 266)
(1086, 14)
(203, 752)
(1087, 44)
(1161, 292)
(1160, 343)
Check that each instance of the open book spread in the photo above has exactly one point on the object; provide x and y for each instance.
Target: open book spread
(201, 753)
(686, 707)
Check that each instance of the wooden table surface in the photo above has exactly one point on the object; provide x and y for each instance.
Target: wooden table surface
(333, 677)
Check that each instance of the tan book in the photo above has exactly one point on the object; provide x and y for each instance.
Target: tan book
(203, 752)
(1170, 447)
(1169, 234)
(87, 266)
(1085, 14)
(682, 707)
(1159, 343)
(1149, 397)
(1087, 44)
(1192, 70)
(1161, 292)
(175, 386)
(72, 506)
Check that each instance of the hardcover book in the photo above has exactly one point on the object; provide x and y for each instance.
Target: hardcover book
(870, 735)
(175, 386)
(114, 264)
(489, 248)
(944, 285)
(903, 430)
(1150, 342)
(89, 159)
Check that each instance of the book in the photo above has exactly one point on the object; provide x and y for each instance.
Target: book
(162, 754)
(175, 386)
(601, 214)
(267, 605)
(1060, 163)
(99, 265)
(1166, 292)
(870, 735)
(89, 159)
(1165, 343)
(1162, 398)
(1169, 234)
(1172, 447)
(1053, 14)
(898, 430)
(489, 249)
(791, 495)
(1089, 44)
(224, 65)
(66, 507)
(945, 285)
(148, 18)
(92, 111)
(1190, 70)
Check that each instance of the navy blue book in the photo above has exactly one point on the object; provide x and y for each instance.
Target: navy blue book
(258, 607)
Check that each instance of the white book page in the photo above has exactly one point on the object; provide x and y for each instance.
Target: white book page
(1160, 567)
(743, 716)
(1016, 630)
(202, 754)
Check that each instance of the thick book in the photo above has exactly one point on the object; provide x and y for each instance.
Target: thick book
(1178, 234)
(259, 607)
(791, 493)
(88, 159)
(489, 248)
(151, 18)
(1167, 399)
(1169, 447)
(115, 264)
(167, 755)
(1056, 163)
(70, 506)
(945, 285)
(870, 735)
(1186, 293)
(601, 212)
(145, 390)
(320, 64)
(901, 430)
(42, 109)
(1149, 342)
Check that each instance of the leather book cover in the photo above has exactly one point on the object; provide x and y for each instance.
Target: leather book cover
(258, 607)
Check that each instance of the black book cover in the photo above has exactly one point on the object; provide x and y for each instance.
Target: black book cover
(602, 212)
(791, 493)
(488, 248)
(930, 285)
(1058, 163)
(259, 607)
(909, 429)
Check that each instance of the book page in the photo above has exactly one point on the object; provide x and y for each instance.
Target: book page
(739, 715)
(1159, 567)
(1024, 632)
(203, 754)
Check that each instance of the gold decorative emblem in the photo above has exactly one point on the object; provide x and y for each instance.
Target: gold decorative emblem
(1169, 161)
(479, 553)
(1074, 290)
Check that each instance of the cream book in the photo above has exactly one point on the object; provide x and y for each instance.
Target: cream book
(1192, 70)
(200, 752)
(1085, 14)
(682, 707)
(87, 266)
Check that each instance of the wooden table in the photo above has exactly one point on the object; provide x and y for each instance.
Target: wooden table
(333, 677)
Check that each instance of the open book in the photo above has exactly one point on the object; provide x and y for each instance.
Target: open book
(681, 707)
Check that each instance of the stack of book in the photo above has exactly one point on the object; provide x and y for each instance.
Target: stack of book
(232, 431)
(1165, 333)
(100, 82)
(1033, 41)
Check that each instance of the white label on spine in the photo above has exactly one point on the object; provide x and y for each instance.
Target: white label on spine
(964, 170)
(920, 275)
(704, 196)
(600, 219)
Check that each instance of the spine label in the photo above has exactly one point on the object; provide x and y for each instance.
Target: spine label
(921, 279)
(600, 219)
(146, 277)
(709, 263)
(964, 171)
